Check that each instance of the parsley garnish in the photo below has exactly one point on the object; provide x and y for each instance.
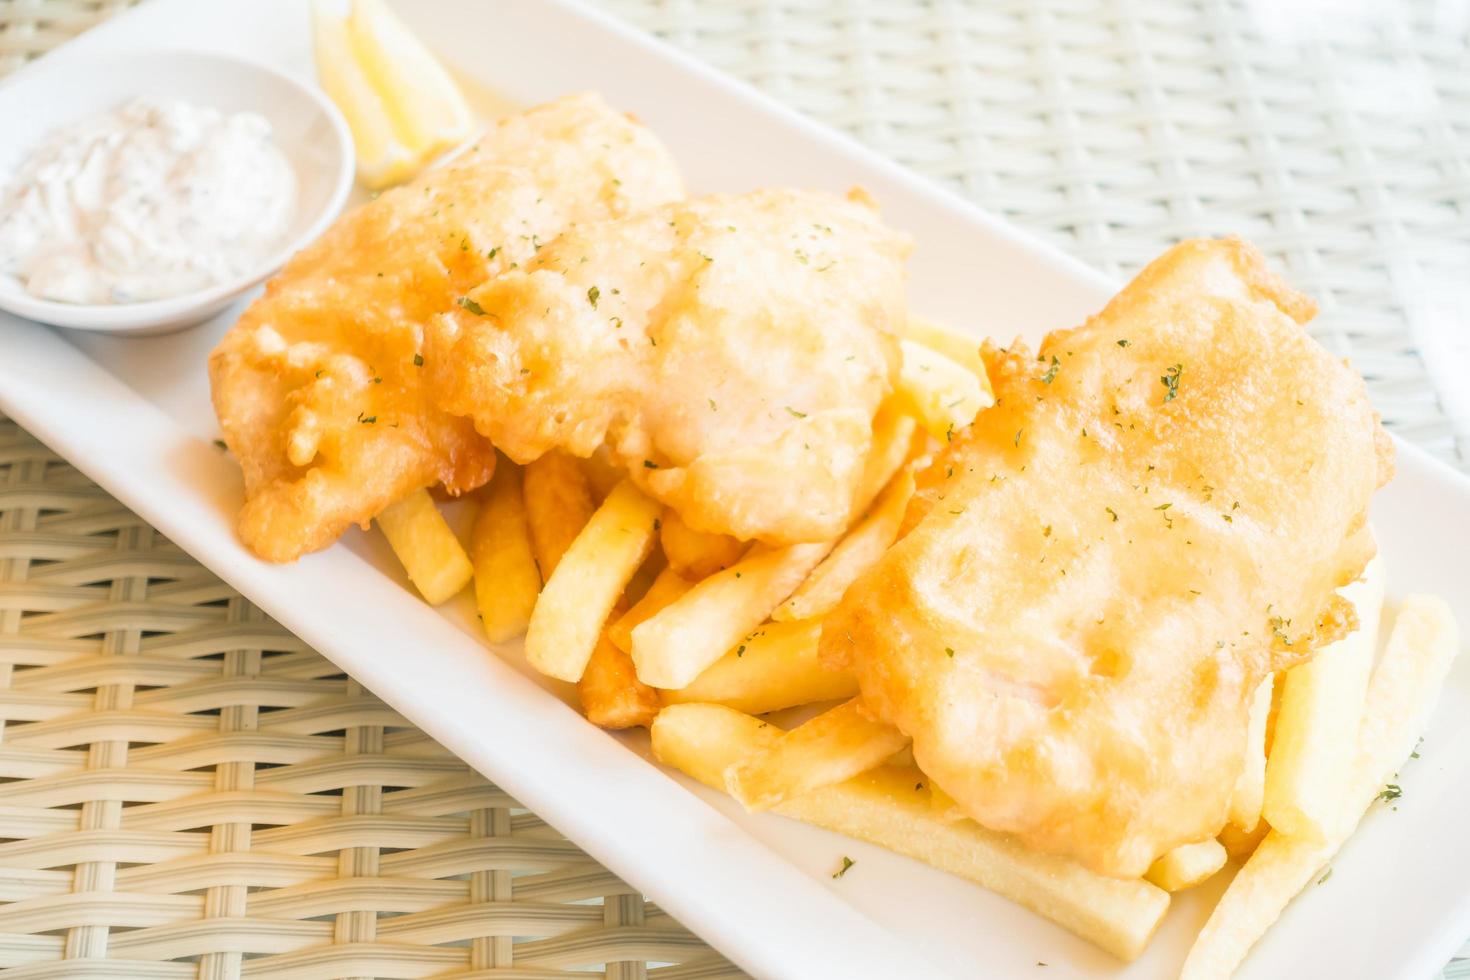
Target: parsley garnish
(949, 652)
(795, 413)
(1390, 793)
(466, 303)
(418, 360)
(649, 464)
(366, 420)
(712, 406)
(592, 294)
(493, 252)
(1170, 381)
(1325, 875)
(1017, 440)
(1124, 343)
(1051, 372)
(1113, 512)
(847, 862)
(220, 445)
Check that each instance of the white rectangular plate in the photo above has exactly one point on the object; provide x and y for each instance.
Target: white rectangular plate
(135, 416)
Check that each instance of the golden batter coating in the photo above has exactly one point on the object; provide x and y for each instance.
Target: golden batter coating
(1098, 574)
(731, 350)
(319, 387)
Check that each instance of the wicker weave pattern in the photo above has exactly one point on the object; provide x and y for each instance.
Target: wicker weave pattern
(29, 28)
(186, 790)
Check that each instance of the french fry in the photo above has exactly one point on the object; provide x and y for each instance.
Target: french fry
(506, 579)
(592, 574)
(854, 554)
(1401, 697)
(834, 746)
(668, 586)
(1321, 705)
(961, 348)
(674, 646)
(603, 473)
(1250, 785)
(775, 667)
(944, 396)
(433, 557)
(893, 445)
(612, 696)
(696, 554)
(891, 807)
(1187, 865)
(558, 505)
(703, 740)
(1240, 844)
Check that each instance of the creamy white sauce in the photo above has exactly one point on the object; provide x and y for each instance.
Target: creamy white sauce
(148, 201)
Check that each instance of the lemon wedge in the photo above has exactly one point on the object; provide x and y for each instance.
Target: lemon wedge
(400, 103)
(428, 111)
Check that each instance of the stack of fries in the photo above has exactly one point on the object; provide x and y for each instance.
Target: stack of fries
(694, 635)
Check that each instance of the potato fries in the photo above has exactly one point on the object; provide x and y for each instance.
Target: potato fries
(854, 554)
(1187, 865)
(943, 395)
(963, 349)
(1401, 695)
(612, 696)
(433, 557)
(894, 444)
(1321, 705)
(1250, 787)
(673, 647)
(603, 473)
(558, 505)
(891, 806)
(832, 747)
(775, 667)
(506, 579)
(592, 574)
(668, 586)
(695, 554)
(1240, 844)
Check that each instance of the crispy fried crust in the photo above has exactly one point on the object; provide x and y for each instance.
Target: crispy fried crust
(731, 350)
(1097, 575)
(317, 388)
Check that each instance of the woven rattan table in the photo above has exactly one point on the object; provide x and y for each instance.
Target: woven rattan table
(187, 790)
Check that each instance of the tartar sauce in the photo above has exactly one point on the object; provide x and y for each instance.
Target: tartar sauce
(148, 201)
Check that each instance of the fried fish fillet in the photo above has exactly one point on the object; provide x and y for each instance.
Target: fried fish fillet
(730, 350)
(320, 386)
(1098, 574)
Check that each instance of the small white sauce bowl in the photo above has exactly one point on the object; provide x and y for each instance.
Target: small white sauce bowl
(308, 129)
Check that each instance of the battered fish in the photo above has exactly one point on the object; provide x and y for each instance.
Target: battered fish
(1098, 574)
(320, 386)
(731, 351)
